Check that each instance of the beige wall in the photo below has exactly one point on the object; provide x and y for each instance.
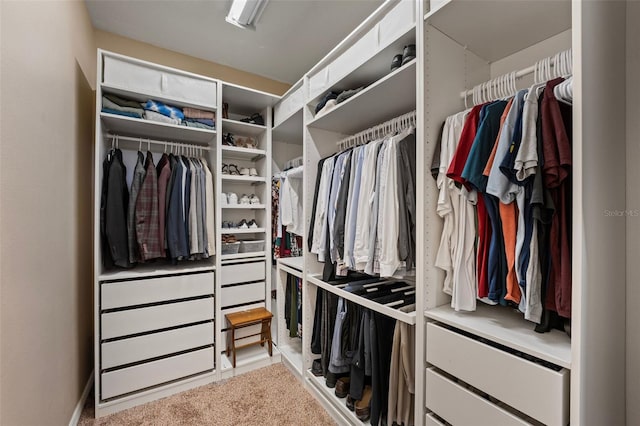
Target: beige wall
(633, 222)
(148, 52)
(47, 73)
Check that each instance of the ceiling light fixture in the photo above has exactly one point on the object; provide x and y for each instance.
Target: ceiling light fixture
(245, 13)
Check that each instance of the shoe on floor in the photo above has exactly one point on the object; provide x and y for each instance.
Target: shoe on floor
(362, 406)
(342, 386)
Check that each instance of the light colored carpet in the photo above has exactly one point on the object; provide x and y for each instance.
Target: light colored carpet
(268, 396)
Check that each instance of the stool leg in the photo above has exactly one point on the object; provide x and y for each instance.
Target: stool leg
(269, 337)
(262, 333)
(233, 345)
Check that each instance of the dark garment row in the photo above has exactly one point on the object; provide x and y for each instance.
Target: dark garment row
(293, 306)
(167, 212)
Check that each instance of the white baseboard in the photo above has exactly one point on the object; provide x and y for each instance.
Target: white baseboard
(75, 418)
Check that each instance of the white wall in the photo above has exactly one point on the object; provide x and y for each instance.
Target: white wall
(47, 74)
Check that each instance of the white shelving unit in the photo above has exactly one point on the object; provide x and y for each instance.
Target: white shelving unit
(291, 348)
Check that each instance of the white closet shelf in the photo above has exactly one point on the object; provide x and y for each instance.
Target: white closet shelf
(243, 231)
(243, 179)
(141, 97)
(291, 271)
(243, 100)
(155, 270)
(241, 128)
(138, 127)
(407, 317)
(395, 93)
(289, 130)
(244, 207)
(249, 255)
(506, 327)
(479, 25)
(296, 262)
(330, 395)
(240, 153)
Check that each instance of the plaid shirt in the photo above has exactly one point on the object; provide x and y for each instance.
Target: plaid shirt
(147, 219)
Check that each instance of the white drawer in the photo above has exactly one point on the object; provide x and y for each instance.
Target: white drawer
(139, 292)
(461, 407)
(502, 375)
(318, 82)
(287, 106)
(243, 272)
(395, 23)
(159, 81)
(126, 351)
(431, 420)
(243, 293)
(132, 321)
(354, 56)
(142, 376)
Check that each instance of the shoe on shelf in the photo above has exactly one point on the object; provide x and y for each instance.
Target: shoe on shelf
(316, 366)
(228, 139)
(409, 53)
(233, 169)
(233, 198)
(245, 199)
(362, 406)
(396, 62)
(252, 224)
(225, 169)
(227, 224)
(229, 238)
(243, 224)
(224, 200)
(254, 119)
(342, 386)
(253, 171)
(350, 403)
(253, 199)
(244, 171)
(330, 379)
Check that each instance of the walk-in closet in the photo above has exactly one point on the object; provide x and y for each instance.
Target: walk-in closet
(376, 212)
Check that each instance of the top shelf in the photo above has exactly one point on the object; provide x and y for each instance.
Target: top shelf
(137, 96)
(479, 25)
(246, 101)
(292, 262)
(502, 325)
(290, 130)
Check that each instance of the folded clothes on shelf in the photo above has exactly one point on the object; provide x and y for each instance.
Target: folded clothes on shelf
(124, 106)
(119, 112)
(166, 110)
(198, 113)
(156, 116)
(346, 94)
(198, 125)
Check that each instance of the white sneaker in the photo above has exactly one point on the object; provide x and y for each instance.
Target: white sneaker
(223, 199)
(245, 199)
(254, 199)
(252, 224)
(253, 172)
(232, 198)
(244, 171)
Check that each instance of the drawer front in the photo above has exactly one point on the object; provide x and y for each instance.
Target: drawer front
(189, 89)
(462, 407)
(244, 293)
(287, 106)
(318, 82)
(132, 76)
(140, 348)
(431, 420)
(502, 375)
(142, 376)
(124, 323)
(354, 56)
(243, 272)
(395, 23)
(139, 292)
(159, 82)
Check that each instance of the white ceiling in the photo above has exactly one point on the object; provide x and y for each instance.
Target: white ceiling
(290, 37)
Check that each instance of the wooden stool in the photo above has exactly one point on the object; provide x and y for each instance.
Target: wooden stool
(245, 319)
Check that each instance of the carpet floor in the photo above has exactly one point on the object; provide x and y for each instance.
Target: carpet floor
(269, 396)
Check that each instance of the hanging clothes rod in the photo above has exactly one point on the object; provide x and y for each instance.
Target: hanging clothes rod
(141, 141)
(561, 63)
(395, 124)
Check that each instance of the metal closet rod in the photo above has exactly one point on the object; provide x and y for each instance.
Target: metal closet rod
(141, 141)
(393, 125)
(556, 61)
